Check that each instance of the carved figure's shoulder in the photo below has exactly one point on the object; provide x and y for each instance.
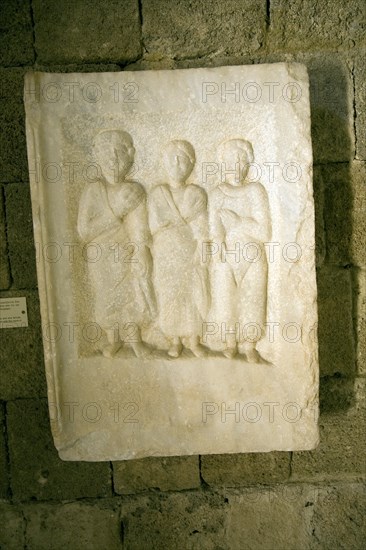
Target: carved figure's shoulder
(195, 193)
(157, 191)
(135, 188)
(256, 191)
(91, 191)
(215, 196)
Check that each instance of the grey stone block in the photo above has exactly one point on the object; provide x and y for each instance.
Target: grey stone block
(338, 520)
(87, 32)
(12, 527)
(22, 251)
(77, 68)
(35, 469)
(336, 393)
(74, 525)
(268, 518)
(4, 260)
(178, 520)
(4, 474)
(331, 104)
(335, 328)
(341, 452)
(13, 152)
(22, 371)
(318, 187)
(360, 104)
(16, 38)
(245, 469)
(310, 25)
(345, 219)
(196, 29)
(174, 473)
(297, 516)
(360, 318)
(358, 237)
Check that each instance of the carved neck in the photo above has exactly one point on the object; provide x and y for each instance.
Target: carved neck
(233, 184)
(176, 184)
(111, 182)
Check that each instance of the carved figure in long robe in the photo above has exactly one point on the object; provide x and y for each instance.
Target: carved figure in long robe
(178, 223)
(113, 216)
(240, 225)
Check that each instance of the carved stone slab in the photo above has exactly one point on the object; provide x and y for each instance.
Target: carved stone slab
(174, 224)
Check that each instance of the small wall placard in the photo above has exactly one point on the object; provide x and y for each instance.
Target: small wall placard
(13, 312)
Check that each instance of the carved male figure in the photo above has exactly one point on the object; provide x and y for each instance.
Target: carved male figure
(240, 225)
(178, 223)
(113, 215)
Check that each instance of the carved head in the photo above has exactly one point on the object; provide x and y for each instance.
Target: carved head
(235, 157)
(179, 159)
(114, 152)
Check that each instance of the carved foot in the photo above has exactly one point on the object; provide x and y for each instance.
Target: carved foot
(230, 352)
(199, 351)
(141, 350)
(175, 350)
(253, 356)
(110, 350)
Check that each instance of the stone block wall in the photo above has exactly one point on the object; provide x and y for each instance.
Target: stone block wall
(302, 500)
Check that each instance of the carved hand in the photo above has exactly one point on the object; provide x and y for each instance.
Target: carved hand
(97, 225)
(144, 264)
(228, 217)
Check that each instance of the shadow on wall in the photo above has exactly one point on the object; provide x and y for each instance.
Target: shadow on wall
(331, 112)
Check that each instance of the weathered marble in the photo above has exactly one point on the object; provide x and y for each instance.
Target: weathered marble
(174, 224)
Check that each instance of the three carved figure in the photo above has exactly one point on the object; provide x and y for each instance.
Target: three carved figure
(183, 264)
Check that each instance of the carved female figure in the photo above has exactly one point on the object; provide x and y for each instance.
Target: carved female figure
(240, 225)
(178, 223)
(113, 216)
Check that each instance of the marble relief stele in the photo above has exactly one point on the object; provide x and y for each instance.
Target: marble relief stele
(168, 235)
(184, 321)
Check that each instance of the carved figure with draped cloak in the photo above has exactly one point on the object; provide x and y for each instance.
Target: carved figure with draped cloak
(178, 223)
(113, 216)
(240, 224)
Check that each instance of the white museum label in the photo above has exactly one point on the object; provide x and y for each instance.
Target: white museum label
(13, 312)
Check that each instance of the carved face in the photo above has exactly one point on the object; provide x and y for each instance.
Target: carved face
(115, 158)
(235, 165)
(178, 165)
